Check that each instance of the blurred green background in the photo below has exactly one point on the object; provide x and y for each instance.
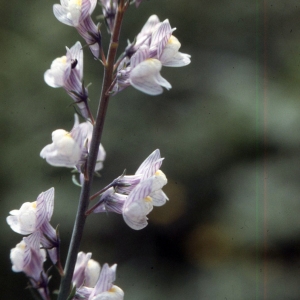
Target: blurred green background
(228, 129)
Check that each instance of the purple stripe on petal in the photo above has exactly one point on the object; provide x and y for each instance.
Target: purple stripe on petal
(141, 191)
(147, 163)
(161, 36)
(27, 255)
(107, 276)
(49, 199)
(139, 56)
(41, 211)
(85, 10)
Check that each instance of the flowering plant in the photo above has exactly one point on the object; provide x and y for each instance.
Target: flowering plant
(132, 196)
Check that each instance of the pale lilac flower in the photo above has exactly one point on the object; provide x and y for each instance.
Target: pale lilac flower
(67, 72)
(140, 192)
(113, 198)
(62, 68)
(32, 215)
(149, 167)
(147, 193)
(70, 149)
(109, 9)
(35, 217)
(104, 288)
(145, 73)
(138, 205)
(154, 47)
(86, 271)
(165, 46)
(140, 202)
(27, 257)
(77, 13)
(171, 57)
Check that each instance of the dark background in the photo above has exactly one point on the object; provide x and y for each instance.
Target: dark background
(228, 129)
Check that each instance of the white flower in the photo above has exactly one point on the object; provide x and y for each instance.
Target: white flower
(171, 57)
(69, 149)
(77, 13)
(27, 257)
(16, 256)
(67, 72)
(154, 47)
(134, 196)
(72, 12)
(146, 77)
(104, 289)
(62, 67)
(86, 270)
(35, 217)
(141, 200)
(64, 151)
(147, 193)
(143, 73)
(32, 215)
(126, 183)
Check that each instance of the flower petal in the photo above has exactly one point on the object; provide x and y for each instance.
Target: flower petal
(106, 278)
(45, 205)
(115, 293)
(171, 57)
(136, 207)
(160, 37)
(135, 215)
(61, 13)
(63, 152)
(146, 78)
(150, 165)
(140, 55)
(159, 198)
(149, 26)
(23, 221)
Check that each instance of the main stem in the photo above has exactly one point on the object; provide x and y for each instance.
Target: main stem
(65, 286)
